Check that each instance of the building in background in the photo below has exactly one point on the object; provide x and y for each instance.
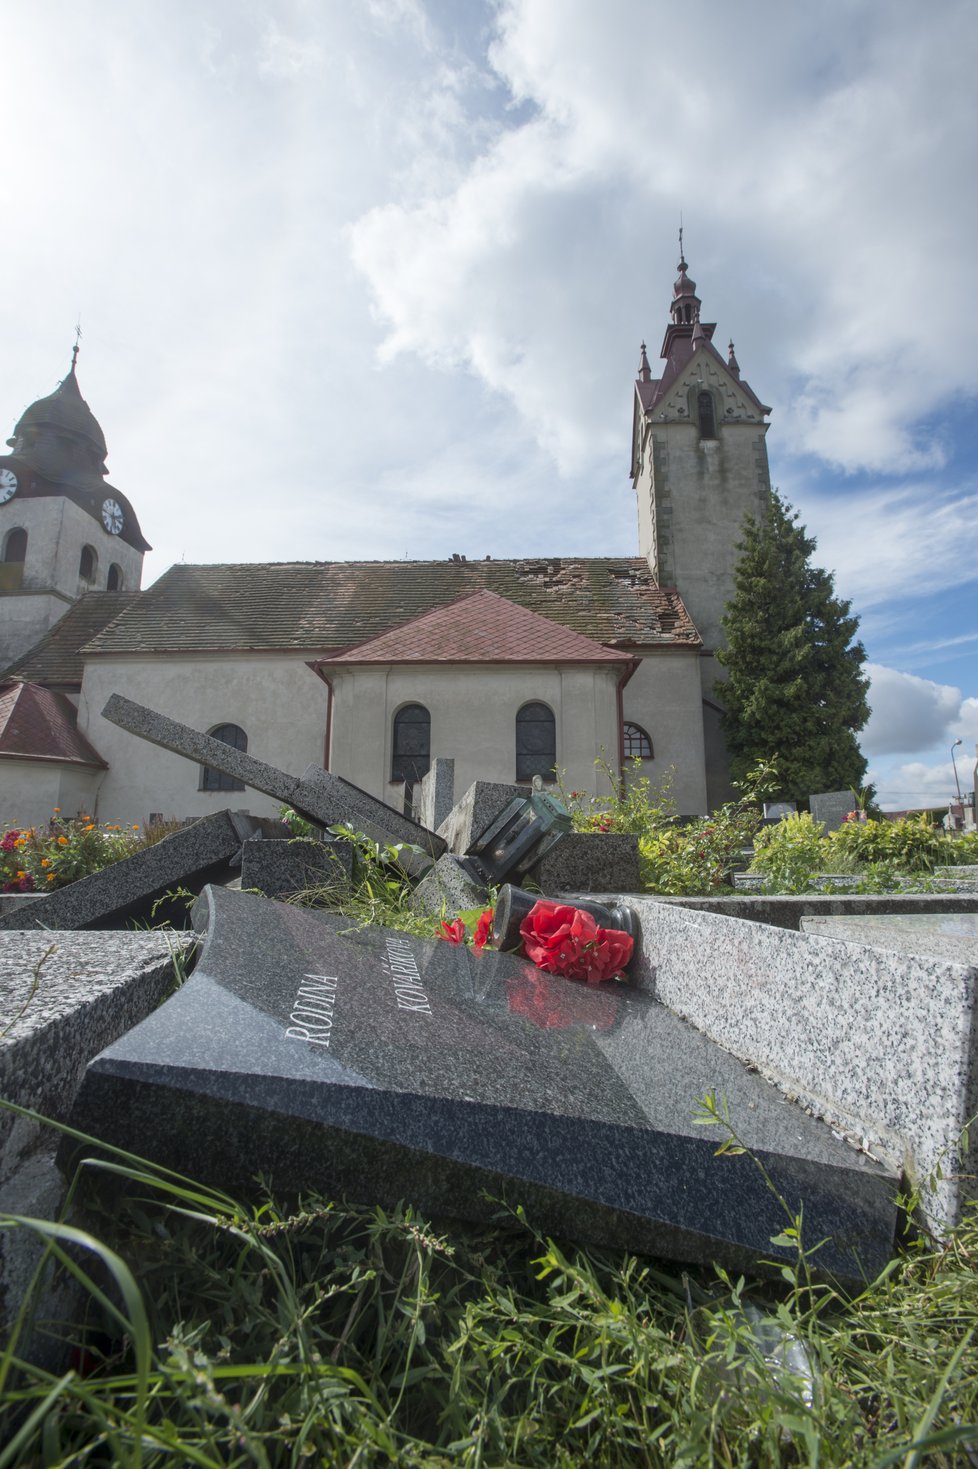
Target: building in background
(510, 667)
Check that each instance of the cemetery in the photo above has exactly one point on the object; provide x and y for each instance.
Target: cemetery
(749, 1083)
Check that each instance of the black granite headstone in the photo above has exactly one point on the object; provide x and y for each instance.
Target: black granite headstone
(376, 1066)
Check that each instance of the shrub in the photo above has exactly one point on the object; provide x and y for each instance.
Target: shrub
(911, 843)
(789, 854)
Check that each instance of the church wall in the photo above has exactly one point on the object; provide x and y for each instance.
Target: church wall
(30, 790)
(274, 698)
(664, 696)
(473, 712)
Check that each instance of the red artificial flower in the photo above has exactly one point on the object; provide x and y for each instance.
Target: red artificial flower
(564, 940)
(454, 932)
(483, 931)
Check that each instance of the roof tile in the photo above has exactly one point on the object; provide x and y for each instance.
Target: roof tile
(38, 724)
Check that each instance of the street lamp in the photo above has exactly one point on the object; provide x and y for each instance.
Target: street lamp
(955, 764)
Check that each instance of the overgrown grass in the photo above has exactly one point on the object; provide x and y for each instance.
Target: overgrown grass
(222, 1333)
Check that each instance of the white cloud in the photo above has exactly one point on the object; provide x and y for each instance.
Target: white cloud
(903, 542)
(909, 714)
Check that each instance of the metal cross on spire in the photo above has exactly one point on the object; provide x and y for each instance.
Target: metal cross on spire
(75, 349)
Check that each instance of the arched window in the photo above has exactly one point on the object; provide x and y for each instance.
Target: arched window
(114, 582)
(411, 749)
(216, 780)
(15, 546)
(87, 563)
(536, 742)
(706, 415)
(635, 742)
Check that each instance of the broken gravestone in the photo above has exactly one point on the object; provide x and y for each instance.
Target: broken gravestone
(377, 1066)
(152, 885)
(319, 796)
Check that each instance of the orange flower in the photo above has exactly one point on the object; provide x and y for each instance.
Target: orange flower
(62, 841)
(136, 826)
(50, 877)
(45, 862)
(57, 809)
(89, 827)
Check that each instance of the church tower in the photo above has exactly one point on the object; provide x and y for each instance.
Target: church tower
(699, 465)
(64, 530)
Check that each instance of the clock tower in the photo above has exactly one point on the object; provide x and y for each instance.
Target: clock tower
(64, 530)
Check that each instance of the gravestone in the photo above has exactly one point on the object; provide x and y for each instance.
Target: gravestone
(319, 796)
(282, 869)
(437, 793)
(590, 862)
(832, 807)
(136, 888)
(477, 810)
(778, 810)
(376, 1066)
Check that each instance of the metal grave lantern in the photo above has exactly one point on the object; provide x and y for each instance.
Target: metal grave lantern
(522, 834)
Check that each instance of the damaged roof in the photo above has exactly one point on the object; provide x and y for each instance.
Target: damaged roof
(327, 607)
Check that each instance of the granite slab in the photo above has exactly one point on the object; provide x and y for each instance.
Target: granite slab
(952, 936)
(283, 869)
(319, 795)
(130, 890)
(831, 807)
(882, 1044)
(448, 888)
(374, 1065)
(437, 793)
(476, 811)
(590, 862)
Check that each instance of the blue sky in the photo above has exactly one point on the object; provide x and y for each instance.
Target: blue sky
(368, 278)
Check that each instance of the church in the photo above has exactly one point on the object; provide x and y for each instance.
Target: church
(513, 668)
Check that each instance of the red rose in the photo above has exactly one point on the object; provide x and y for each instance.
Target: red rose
(483, 930)
(564, 940)
(454, 932)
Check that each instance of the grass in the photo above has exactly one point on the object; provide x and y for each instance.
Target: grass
(225, 1333)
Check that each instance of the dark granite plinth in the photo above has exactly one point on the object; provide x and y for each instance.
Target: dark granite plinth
(319, 796)
(282, 869)
(590, 862)
(132, 889)
(477, 810)
(377, 1066)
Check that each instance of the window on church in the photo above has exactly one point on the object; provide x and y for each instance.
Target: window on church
(411, 753)
(536, 742)
(114, 583)
(706, 415)
(636, 744)
(87, 563)
(216, 780)
(15, 546)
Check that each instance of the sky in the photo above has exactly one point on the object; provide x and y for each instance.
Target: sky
(367, 279)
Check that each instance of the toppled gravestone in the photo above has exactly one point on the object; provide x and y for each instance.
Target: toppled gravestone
(319, 796)
(283, 869)
(136, 888)
(375, 1065)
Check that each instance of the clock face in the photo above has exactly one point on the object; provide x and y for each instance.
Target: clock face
(8, 485)
(112, 516)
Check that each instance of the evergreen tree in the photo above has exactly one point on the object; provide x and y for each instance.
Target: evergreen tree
(796, 691)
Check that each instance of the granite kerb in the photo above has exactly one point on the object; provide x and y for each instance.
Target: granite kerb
(881, 1045)
(64, 997)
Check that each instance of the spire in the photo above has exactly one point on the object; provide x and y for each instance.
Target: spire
(732, 362)
(74, 351)
(644, 370)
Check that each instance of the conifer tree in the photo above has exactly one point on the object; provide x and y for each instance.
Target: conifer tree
(796, 691)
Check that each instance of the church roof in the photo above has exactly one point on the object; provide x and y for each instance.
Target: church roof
(56, 658)
(481, 627)
(327, 607)
(38, 724)
(66, 410)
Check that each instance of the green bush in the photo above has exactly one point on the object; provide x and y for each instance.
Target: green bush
(790, 854)
(911, 843)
